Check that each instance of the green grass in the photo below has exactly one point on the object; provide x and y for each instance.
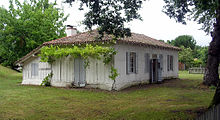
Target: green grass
(174, 99)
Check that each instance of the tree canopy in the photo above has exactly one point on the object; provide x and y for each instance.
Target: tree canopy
(186, 57)
(186, 41)
(110, 15)
(191, 55)
(24, 26)
(202, 11)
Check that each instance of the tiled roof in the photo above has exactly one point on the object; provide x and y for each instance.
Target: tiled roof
(85, 37)
(91, 37)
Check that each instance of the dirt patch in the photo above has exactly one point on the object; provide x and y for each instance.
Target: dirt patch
(203, 87)
(168, 83)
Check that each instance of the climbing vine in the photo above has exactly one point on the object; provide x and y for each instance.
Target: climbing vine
(50, 53)
(113, 74)
(47, 80)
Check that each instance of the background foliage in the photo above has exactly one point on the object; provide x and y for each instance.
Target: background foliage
(185, 56)
(202, 11)
(186, 41)
(25, 26)
(191, 55)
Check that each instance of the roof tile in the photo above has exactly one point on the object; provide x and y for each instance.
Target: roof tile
(90, 37)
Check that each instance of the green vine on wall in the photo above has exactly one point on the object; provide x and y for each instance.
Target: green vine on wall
(47, 80)
(50, 53)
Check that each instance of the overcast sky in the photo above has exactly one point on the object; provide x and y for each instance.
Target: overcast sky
(155, 23)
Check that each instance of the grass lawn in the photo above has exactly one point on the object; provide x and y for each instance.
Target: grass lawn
(174, 99)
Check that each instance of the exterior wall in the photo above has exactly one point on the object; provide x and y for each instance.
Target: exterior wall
(63, 72)
(124, 80)
(97, 75)
(44, 70)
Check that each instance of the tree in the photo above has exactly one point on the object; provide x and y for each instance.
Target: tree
(186, 41)
(197, 51)
(207, 13)
(110, 15)
(24, 26)
(185, 56)
(203, 55)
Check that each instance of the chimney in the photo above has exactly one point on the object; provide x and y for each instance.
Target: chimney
(70, 30)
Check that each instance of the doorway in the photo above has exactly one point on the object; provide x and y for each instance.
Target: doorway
(79, 73)
(155, 70)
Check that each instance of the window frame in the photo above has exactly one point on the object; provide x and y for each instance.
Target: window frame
(131, 63)
(170, 62)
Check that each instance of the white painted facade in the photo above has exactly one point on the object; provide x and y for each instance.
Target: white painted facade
(97, 74)
(125, 80)
(44, 70)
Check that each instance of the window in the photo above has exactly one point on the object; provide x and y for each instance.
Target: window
(34, 69)
(131, 62)
(147, 63)
(169, 62)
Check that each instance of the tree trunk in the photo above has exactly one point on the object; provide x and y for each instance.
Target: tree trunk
(211, 75)
(214, 51)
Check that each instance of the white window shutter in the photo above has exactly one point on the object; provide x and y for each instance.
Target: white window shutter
(147, 63)
(161, 61)
(136, 63)
(127, 62)
(145, 67)
(34, 69)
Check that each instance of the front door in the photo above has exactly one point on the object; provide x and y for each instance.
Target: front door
(160, 68)
(79, 73)
(154, 70)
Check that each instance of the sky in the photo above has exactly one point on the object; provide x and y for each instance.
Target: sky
(155, 24)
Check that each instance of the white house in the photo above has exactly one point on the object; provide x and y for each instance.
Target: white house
(139, 59)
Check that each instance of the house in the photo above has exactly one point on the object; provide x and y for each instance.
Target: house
(139, 59)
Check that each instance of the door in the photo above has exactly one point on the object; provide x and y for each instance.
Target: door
(79, 73)
(160, 68)
(153, 70)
